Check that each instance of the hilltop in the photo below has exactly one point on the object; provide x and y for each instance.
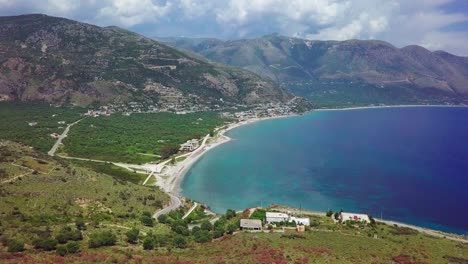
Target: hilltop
(351, 72)
(44, 58)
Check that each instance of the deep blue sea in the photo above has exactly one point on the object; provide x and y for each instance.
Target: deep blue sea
(408, 164)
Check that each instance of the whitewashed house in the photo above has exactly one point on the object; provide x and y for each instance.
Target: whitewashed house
(273, 217)
(300, 220)
(354, 217)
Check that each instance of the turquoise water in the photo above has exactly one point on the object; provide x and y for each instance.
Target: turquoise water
(407, 164)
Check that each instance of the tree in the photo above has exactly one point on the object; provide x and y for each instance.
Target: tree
(180, 242)
(230, 213)
(173, 160)
(132, 235)
(147, 220)
(372, 220)
(168, 151)
(231, 228)
(329, 213)
(15, 245)
(218, 231)
(148, 243)
(103, 238)
(337, 216)
(162, 219)
(203, 236)
(206, 225)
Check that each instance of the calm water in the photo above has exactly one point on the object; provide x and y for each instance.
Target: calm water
(408, 164)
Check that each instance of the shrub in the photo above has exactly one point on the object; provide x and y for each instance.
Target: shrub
(148, 243)
(103, 238)
(61, 250)
(162, 219)
(46, 244)
(147, 220)
(206, 225)
(73, 247)
(65, 234)
(15, 245)
(230, 213)
(180, 242)
(329, 213)
(203, 236)
(132, 235)
(231, 228)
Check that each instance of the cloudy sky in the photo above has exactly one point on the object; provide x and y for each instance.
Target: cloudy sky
(434, 24)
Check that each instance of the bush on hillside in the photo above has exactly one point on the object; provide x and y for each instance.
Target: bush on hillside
(46, 244)
(15, 245)
(132, 235)
(103, 238)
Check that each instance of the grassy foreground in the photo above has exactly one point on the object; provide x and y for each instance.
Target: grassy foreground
(56, 211)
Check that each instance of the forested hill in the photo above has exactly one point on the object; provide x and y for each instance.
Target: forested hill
(342, 72)
(67, 62)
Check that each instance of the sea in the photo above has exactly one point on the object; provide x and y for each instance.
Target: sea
(407, 164)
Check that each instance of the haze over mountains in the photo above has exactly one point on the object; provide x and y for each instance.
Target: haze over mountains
(344, 72)
(67, 62)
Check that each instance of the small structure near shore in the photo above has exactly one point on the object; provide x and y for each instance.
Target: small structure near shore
(190, 145)
(251, 224)
(344, 217)
(273, 217)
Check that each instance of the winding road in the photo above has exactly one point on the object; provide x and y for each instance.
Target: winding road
(173, 205)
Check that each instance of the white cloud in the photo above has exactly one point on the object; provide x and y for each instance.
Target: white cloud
(133, 12)
(400, 22)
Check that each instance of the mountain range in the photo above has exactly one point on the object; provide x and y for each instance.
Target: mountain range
(44, 58)
(343, 72)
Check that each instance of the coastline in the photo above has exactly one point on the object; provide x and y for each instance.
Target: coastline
(184, 166)
(180, 169)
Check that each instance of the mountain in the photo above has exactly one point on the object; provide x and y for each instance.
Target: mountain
(67, 62)
(344, 72)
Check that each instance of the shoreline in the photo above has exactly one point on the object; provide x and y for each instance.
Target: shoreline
(184, 166)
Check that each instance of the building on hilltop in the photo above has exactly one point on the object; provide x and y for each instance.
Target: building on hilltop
(354, 217)
(273, 217)
(300, 220)
(251, 224)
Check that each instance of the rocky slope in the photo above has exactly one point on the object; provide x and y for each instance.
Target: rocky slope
(66, 62)
(370, 69)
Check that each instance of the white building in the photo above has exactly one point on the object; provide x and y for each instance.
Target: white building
(354, 217)
(190, 145)
(300, 220)
(273, 217)
(251, 224)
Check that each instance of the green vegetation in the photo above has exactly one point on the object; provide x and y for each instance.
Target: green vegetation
(101, 239)
(118, 173)
(15, 118)
(259, 214)
(127, 138)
